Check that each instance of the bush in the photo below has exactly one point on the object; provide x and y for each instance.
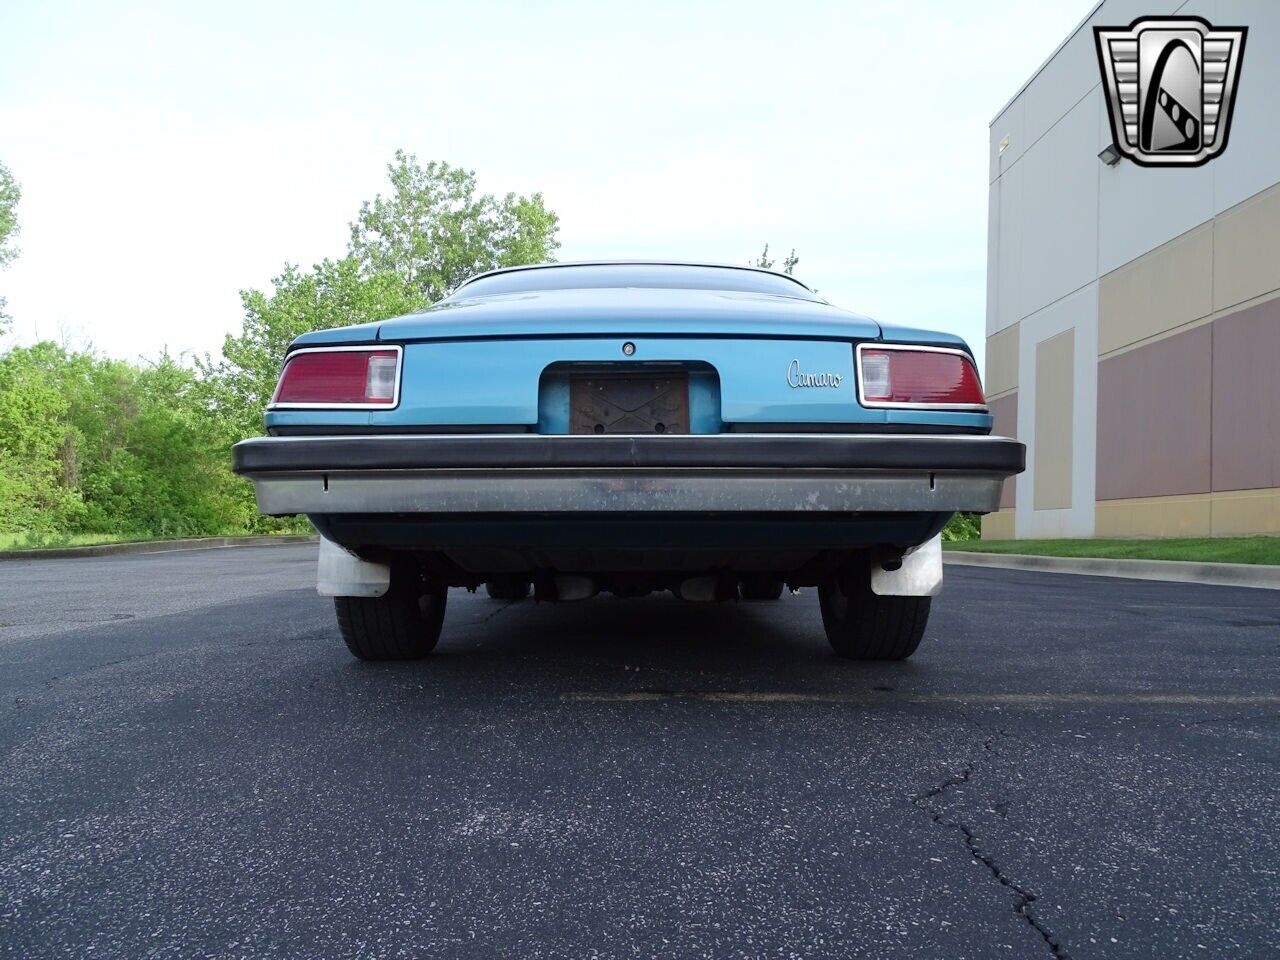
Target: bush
(89, 445)
(963, 526)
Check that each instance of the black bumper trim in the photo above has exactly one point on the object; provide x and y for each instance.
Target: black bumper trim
(266, 455)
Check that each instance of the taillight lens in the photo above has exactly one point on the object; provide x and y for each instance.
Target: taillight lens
(339, 378)
(893, 377)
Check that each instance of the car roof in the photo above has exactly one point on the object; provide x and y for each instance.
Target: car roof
(679, 264)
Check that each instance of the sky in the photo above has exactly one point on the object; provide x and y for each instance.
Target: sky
(173, 154)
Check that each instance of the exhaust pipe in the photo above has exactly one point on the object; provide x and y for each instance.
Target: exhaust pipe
(563, 588)
(706, 589)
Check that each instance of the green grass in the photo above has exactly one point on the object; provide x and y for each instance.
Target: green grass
(37, 541)
(1264, 550)
(31, 541)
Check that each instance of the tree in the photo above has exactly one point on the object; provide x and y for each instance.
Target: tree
(10, 194)
(35, 495)
(407, 251)
(93, 445)
(334, 293)
(150, 458)
(435, 230)
(788, 264)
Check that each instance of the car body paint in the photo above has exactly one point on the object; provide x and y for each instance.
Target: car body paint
(494, 360)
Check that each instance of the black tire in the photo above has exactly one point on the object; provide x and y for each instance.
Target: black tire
(862, 625)
(507, 589)
(760, 588)
(402, 624)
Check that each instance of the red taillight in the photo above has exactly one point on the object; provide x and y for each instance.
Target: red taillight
(891, 376)
(339, 378)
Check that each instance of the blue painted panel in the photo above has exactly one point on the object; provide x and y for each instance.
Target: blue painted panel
(553, 405)
(630, 312)
(497, 382)
(357, 333)
(891, 333)
(704, 402)
(470, 382)
(307, 418)
(954, 418)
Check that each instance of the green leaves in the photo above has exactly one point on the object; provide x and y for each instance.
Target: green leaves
(95, 445)
(34, 438)
(408, 249)
(91, 445)
(334, 293)
(962, 526)
(435, 229)
(10, 194)
(788, 264)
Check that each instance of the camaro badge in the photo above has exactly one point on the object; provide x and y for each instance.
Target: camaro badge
(1170, 84)
(797, 378)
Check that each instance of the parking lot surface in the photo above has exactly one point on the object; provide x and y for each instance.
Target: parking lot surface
(191, 765)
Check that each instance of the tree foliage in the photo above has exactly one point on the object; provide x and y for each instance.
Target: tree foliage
(90, 445)
(334, 293)
(435, 229)
(963, 526)
(10, 194)
(788, 262)
(408, 249)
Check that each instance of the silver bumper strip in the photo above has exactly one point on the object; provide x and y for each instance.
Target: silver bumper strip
(624, 490)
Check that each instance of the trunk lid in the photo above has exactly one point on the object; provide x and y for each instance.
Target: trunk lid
(605, 312)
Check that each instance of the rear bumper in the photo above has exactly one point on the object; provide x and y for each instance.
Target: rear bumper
(721, 473)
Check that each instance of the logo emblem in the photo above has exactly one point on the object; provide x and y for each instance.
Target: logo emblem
(1171, 85)
(798, 379)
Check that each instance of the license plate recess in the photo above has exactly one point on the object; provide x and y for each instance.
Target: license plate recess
(629, 403)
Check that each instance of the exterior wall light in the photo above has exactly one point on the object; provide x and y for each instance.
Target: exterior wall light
(1110, 155)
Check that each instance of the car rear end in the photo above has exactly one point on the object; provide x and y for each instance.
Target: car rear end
(714, 444)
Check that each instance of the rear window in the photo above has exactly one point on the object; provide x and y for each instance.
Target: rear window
(619, 275)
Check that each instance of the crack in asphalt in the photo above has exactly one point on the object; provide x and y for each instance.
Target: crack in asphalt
(1233, 718)
(502, 609)
(1025, 898)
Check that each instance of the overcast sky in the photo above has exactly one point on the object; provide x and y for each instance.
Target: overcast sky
(171, 154)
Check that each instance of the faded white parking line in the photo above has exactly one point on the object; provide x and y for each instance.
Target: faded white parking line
(1003, 699)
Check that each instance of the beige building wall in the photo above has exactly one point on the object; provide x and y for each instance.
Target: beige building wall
(1169, 287)
(1188, 388)
(1189, 382)
(1133, 314)
(1055, 368)
(1002, 362)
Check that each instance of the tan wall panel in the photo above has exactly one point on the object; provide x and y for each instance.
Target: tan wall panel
(1246, 252)
(1004, 416)
(1055, 395)
(1170, 286)
(1154, 517)
(1002, 361)
(1244, 512)
(1234, 513)
(1154, 416)
(998, 526)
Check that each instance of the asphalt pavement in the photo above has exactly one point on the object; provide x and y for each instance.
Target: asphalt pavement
(192, 766)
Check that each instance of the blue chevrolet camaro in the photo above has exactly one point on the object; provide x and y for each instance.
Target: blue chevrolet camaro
(716, 431)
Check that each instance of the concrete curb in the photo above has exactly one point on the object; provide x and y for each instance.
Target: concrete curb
(1257, 575)
(152, 546)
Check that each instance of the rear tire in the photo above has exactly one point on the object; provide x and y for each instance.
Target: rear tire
(402, 624)
(862, 625)
(507, 589)
(760, 588)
